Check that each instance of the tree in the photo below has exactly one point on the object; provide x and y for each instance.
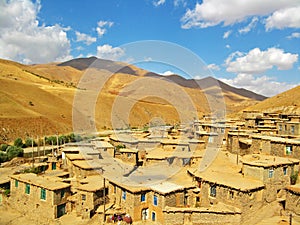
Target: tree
(18, 142)
(28, 142)
(3, 157)
(3, 147)
(51, 140)
(14, 151)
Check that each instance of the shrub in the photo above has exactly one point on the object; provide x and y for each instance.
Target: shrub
(3, 147)
(3, 157)
(18, 142)
(13, 151)
(28, 142)
(294, 177)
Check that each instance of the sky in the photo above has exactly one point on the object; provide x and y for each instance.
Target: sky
(250, 44)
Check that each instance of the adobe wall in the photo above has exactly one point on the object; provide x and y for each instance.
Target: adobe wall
(293, 202)
(194, 217)
(279, 149)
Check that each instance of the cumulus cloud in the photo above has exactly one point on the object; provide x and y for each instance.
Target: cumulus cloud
(293, 35)
(286, 17)
(226, 34)
(257, 61)
(263, 85)
(159, 2)
(213, 67)
(102, 27)
(87, 39)
(213, 12)
(108, 52)
(180, 2)
(249, 27)
(227, 46)
(23, 39)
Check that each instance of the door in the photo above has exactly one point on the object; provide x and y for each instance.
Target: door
(145, 214)
(61, 210)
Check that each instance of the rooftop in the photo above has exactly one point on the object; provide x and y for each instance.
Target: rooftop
(50, 183)
(267, 160)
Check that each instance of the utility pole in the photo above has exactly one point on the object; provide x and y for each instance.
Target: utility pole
(104, 195)
(32, 152)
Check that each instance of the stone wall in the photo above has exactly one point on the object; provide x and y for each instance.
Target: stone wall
(293, 202)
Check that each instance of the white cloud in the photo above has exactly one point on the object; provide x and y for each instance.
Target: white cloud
(213, 67)
(286, 17)
(262, 85)
(167, 73)
(158, 2)
(293, 35)
(102, 27)
(87, 39)
(227, 46)
(226, 34)
(23, 39)
(108, 52)
(249, 27)
(257, 61)
(214, 12)
(180, 2)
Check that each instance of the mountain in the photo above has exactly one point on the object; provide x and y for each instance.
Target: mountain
(287, 102)
(38, 99)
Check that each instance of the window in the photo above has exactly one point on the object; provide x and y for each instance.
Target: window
(43, 194)
(213, 191)
(153, 216)
(143, 197)
(62, 193)
(16, 183)
(292, 129)
(155, 200)
(210, 139)
(83, 197)
(124, 195)
(115, 189)
(285, 170)
(231, 194)
(280, 127)
(27, 189)
(129, 155)
(271, 173)
(288, 150)
(54, 166)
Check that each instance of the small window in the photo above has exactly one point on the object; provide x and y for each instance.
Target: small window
(16, 183)
(153, 216)
(83, 197)
(43, 194)
(213, 191)
(280, 127)
(210, 139)
(231, 195)
(62, 193)
(288, 150)
(54, 166)
(271, 173)
(129, 155)
(155, 200)
(115, 189)
(292, 129)
(124, 195)
(143, 197)
(285, 170)
(27, 189)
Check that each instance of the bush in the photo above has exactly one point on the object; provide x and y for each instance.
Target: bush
(3, 157)
(294, 177)
(13, 151)
(18, 143)
(28, 142)
(3, 147)
(51, 140)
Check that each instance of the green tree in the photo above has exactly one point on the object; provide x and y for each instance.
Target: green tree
(18, 142)
(3, 147)
(3, 157)
(28, 142)
(51, 140)
(14, 151)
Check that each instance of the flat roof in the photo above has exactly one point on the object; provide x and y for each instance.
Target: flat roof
(92, 183)
(103, 144)
(78, 156)
(127, 150)
(277, 139)
(294, 188)
(267, 160)
(50, 183)
(87, 165)
(159, 153)
(231, 180)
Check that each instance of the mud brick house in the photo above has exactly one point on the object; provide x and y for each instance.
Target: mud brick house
(273, 171)
(42, 196)
(104, 146)
(239, 142)
(293, 199)
(124, 139)
(289, 126)
(230, 189)
(90, 194)
(128, 155)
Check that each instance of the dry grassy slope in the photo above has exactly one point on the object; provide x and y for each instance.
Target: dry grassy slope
(31, 104)
(286, 102)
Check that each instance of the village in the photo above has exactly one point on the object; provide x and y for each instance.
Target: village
(234, 171)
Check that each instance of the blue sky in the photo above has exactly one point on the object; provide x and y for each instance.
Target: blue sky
(252, 44)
